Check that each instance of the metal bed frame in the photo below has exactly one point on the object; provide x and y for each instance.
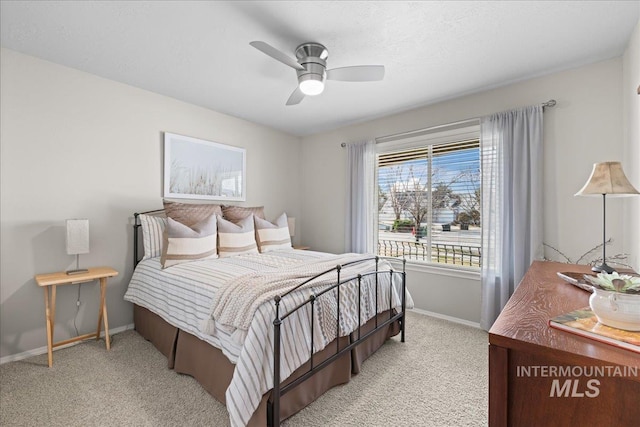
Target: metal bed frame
(273, 405)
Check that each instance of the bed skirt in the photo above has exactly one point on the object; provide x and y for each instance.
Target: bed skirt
(187, 354)
(154, 329)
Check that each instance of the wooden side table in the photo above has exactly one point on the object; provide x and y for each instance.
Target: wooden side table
(49, 282)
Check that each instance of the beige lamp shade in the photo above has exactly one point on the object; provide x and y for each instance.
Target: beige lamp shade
(77, 240)
(607, 178)
(291, 222)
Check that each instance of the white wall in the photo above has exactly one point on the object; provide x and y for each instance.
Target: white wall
(631, 158)
(585, 127)
(74, 145)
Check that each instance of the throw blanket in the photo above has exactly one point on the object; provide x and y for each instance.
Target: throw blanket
(236, 302)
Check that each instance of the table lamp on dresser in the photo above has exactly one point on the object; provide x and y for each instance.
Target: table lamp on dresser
(607, 179)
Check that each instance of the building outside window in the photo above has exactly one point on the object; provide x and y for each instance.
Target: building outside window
(429, 201)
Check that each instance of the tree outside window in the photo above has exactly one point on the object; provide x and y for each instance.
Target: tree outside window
(429, 203)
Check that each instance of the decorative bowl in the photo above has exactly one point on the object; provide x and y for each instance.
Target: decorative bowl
(623, 283)
(616, 309)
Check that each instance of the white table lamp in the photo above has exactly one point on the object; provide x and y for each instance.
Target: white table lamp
(77, 241)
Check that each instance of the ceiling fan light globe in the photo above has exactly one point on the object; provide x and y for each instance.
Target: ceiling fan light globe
(312, 87)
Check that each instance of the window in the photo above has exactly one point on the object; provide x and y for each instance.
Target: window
(429, 199)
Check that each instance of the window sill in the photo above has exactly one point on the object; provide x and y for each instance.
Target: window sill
(470, 273)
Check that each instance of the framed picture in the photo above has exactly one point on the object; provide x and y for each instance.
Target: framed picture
(199, 169)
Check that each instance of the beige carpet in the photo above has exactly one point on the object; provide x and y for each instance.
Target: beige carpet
(438, 377)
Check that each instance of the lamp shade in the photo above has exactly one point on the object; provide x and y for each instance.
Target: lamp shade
(291, 222)
(607, 178)
(77, 236)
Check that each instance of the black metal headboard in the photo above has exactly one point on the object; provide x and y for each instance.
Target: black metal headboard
(136, 232)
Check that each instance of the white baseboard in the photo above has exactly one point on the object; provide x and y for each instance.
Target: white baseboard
(445, 317)
(43, 350)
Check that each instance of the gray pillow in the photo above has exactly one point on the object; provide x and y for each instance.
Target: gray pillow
(236, 239)
(272, 236)
(185, 244)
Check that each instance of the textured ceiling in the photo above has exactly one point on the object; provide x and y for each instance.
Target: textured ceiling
(199, 52)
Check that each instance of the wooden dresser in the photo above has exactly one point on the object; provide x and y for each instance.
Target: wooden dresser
(524, 352)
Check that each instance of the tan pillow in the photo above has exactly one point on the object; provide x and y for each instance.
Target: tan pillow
(237, 213)
(191, 213)
(272, 236)
(236, 239)
(185, 244)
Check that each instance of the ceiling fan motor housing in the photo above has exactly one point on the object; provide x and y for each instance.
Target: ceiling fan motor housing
(313, 57)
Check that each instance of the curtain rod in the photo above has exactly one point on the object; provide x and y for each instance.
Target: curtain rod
(550, 103)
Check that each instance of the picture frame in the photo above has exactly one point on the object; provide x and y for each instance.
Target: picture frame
(204, 170)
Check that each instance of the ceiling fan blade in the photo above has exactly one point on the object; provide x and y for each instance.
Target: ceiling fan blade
(267, 49)
(358, 73)
(296, 97)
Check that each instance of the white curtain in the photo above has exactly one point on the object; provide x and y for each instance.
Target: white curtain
(360, 198)
(511, 156)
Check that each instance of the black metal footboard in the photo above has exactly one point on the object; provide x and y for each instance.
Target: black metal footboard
(273, 408)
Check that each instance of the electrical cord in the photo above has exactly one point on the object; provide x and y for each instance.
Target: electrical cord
(77, 310)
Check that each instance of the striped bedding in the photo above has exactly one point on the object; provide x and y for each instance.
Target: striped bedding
(183, 296)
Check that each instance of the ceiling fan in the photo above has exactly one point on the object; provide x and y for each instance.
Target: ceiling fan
(311, 67)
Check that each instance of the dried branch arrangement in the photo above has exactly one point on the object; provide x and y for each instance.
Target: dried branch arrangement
(591, 256)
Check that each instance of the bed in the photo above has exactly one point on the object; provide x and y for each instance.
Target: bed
(315, 318)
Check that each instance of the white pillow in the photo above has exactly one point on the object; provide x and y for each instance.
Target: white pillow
(186, 244)
(236, 239)
(273, 236)
(152, 234)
